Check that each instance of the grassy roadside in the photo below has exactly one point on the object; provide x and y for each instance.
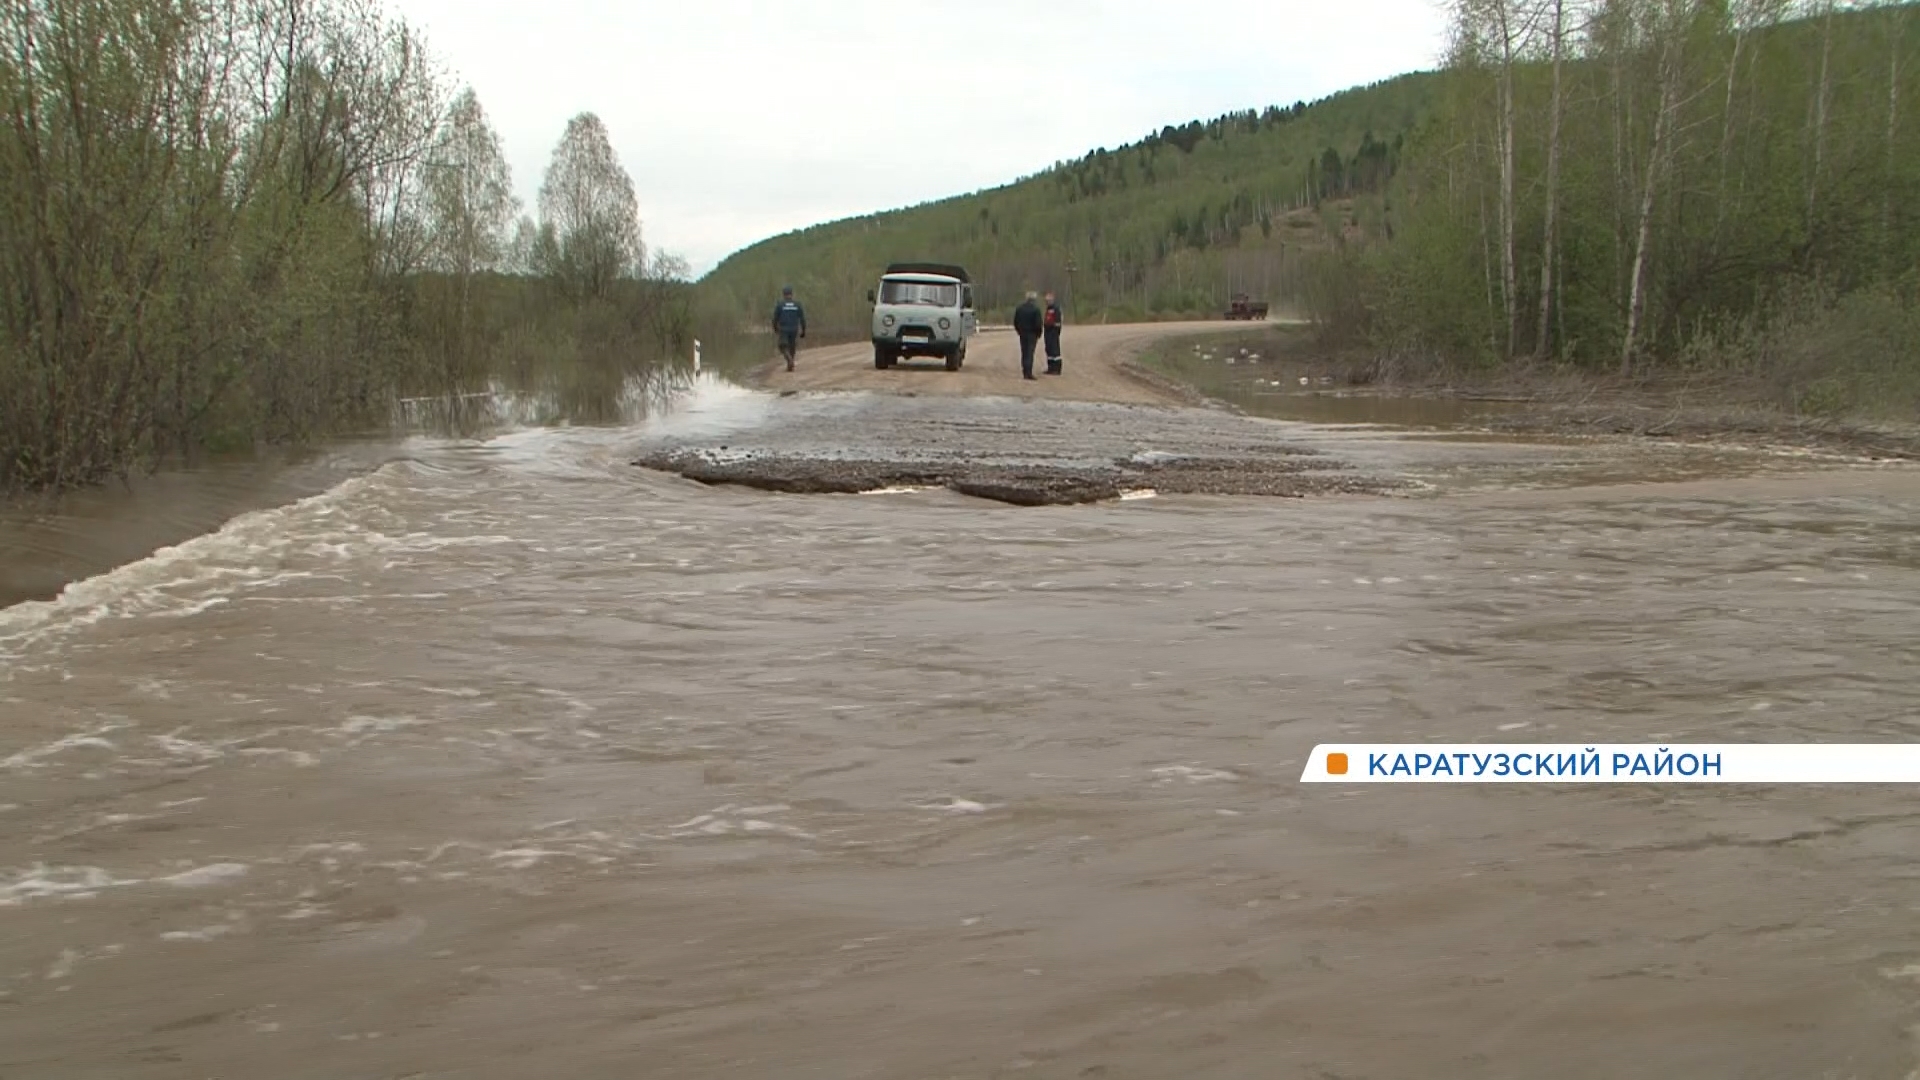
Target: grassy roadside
(1280, 369)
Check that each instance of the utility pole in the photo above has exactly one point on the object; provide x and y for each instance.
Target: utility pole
(1070, 269)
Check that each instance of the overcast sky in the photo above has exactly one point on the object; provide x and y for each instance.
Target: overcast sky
(739, 120)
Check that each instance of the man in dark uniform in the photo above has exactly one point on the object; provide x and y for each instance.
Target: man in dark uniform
(789, 324)
(1051, 320)
(1027, 323)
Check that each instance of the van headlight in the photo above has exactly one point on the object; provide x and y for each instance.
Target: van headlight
(946, 323)
(886, 320)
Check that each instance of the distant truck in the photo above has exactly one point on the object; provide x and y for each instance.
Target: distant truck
(922, 309)
(1243, 308)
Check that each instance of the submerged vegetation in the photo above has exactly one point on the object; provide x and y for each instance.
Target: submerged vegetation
(233, 222)
(225, 223)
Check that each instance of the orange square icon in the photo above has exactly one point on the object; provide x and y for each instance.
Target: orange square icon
(1336, 764)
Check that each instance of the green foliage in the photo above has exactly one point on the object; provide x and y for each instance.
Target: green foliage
(1786, 168)
(1171, 225)
(1823, 351)
(231, 221)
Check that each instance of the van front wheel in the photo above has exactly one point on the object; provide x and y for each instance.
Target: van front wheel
(882, 360)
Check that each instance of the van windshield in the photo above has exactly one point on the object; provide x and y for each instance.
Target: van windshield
(919, 292)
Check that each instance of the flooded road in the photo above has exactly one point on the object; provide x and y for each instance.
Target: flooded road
(510, 759)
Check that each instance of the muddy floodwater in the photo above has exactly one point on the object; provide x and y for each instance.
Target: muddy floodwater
(510, 759)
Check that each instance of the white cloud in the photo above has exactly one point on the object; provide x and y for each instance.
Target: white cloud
(741, 119)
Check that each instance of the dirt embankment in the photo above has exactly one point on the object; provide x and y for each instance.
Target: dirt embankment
(1037, 484)
(1535, 402)
(1122, 418)
(1105, 427)
(1099, 366)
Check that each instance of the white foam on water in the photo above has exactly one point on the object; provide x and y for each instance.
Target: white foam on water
(58, 882)
(955, 805)
(1138, 493)
(85, 740)
(188, 749)
(450, 691)
(70, 959)
(1154, 457)
(367, 725)
(173, 580)
(577, 708)
(524, 858)
(205, 933)
(754, 826)
(337, 847)
(1191, 774)
(204, 876)
(299, 759)
(152, 687)
(732, 821)
(417, 543)
(63, 967)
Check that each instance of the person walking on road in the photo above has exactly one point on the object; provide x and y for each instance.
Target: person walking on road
(1028, 324)
(1051, 322)
(789, 324)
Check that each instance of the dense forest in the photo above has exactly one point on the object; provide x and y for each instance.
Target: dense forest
(228, 222)
(1169, 225)
(1706, 188)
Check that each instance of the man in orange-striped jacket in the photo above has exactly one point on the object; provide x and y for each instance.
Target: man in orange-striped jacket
(1050, 324)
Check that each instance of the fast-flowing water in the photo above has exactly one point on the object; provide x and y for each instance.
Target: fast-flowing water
(508, 759)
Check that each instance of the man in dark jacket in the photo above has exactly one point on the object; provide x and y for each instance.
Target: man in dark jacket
(1051, 321)
(789, 324)
(1027, 323)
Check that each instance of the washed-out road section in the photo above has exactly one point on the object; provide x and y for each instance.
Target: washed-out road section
(511, 759)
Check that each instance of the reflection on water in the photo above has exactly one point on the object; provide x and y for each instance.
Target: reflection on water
(47, 542)
(584, 398)
(1407, 412)
(1267, 393)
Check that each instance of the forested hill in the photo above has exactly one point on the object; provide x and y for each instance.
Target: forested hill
(1171, 224)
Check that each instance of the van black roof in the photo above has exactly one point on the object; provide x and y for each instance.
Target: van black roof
(942, 269)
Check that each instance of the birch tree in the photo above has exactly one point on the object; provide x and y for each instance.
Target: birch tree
(1555, 110)
(1667, 20)
(469, 191)
(589, 213)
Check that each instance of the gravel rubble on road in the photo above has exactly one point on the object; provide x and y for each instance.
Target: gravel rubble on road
(1021, 452)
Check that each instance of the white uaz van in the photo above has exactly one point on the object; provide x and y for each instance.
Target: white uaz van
(922, 309)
